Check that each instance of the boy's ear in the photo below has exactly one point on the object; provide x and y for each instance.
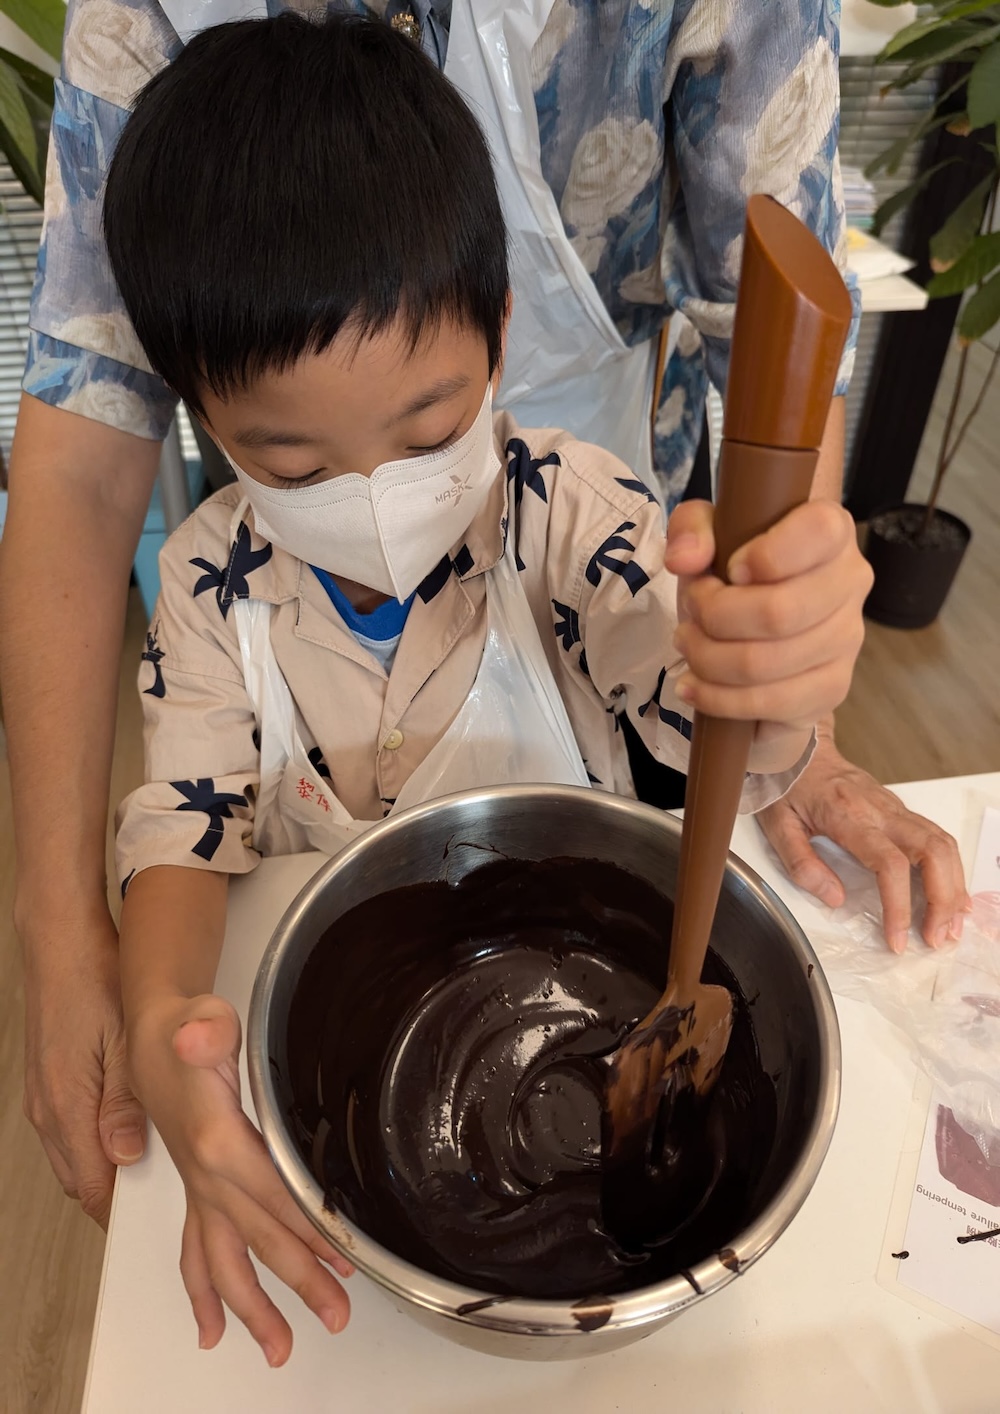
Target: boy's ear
(211, 433)
(498, 371)
(208, 430)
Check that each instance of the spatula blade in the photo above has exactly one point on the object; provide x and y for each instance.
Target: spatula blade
(675, 1048)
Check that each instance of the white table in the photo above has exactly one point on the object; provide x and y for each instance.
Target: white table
(806, 1329)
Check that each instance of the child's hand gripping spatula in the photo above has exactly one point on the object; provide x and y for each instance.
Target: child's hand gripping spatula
(792, 317)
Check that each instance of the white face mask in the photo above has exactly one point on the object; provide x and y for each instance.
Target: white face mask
(386, 531)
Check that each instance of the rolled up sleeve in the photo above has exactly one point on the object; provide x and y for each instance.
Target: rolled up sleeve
(83, 354)
(202, 764)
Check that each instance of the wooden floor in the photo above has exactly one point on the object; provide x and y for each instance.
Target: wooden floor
(924, 704)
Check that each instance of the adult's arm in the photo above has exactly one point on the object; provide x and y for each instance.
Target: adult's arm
(84, 460)
(78, 495)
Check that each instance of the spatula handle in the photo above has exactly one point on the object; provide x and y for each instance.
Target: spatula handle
(757, 486)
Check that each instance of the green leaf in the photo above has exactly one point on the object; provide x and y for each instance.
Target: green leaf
(932, 24)
(901, 199)
(42, 85)
(984, 88)
(953, 239)
(944, 43)
(18, 138)
(14, 111)
(42, 20)
(909, 33)
(982, 312)
(982, 256)
(889, 4)
(967, 7)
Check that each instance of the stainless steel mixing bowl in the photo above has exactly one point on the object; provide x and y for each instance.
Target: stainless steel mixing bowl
(757, 937)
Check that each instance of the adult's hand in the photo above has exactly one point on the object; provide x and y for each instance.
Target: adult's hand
(78, 495)
(76, 1089)
(834, 798)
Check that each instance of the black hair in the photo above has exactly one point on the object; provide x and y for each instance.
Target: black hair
(287, 177)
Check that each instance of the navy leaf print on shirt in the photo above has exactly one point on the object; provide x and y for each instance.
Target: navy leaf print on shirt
(213, 578)
(202, 795)
(567, 628)
(432, 584)
(464, 562)
(632, 573)
(671, 719)
(230, 582)
(524, 470)
(639, 487)
(154, 654)
(567, 625)
(318, 764)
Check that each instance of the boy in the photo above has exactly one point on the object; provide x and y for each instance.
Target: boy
(344, 363)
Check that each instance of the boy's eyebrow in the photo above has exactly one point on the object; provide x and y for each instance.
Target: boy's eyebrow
(257, 436)
(436, 393)
(270, 437)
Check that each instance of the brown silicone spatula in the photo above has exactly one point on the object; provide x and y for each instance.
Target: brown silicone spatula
(792, 316)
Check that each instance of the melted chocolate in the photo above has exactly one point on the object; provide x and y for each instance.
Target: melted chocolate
(447, 1054)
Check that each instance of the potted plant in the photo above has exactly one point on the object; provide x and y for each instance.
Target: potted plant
(915, 550)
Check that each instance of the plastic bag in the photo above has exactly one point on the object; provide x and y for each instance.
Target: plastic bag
(946, 1001)
(288, 815)
(566, 363)
(513, 727)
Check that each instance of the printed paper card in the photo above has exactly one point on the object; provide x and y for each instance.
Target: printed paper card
(952, 1237)
(943, 1247)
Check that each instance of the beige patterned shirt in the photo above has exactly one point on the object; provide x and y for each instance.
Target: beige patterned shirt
(590, 545)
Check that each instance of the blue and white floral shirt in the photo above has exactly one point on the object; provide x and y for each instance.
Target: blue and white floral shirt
(657, 118)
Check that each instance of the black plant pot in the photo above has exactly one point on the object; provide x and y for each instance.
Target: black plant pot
(912, 576)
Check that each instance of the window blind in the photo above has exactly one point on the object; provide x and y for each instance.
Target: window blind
(20, 229)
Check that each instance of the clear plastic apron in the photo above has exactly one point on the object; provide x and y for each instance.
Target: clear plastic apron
(512, 728)
(566, 365)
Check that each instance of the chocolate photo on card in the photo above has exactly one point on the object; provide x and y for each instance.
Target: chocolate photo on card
(961, 1161)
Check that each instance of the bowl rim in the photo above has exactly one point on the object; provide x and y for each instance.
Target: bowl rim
(549, 1317)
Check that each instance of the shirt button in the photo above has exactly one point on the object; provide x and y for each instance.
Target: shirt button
(394, 740)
